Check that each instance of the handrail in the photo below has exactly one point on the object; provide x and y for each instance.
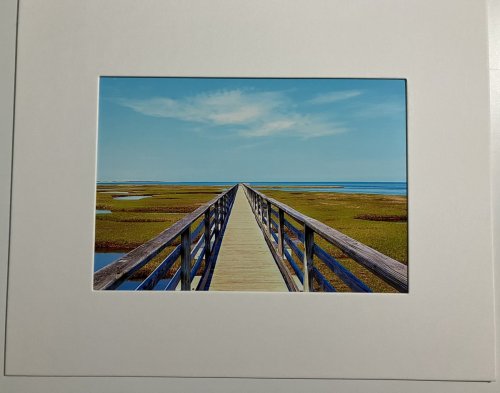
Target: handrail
(114, 274)
(391, 271)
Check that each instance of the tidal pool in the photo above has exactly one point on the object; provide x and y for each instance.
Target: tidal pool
(131, 197)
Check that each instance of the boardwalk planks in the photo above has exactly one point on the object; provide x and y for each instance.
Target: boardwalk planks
(393, 272)
(245, 262)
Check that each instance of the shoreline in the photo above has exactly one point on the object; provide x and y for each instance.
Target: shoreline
(348, 188)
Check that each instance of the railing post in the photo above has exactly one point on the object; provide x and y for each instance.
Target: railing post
(223, 210)
(308, 258)
(208, 248)
(186, 259)
(225, 207)
(269, 215)
(216, 220)
(220, 215)
(281, 233)
(262, 210)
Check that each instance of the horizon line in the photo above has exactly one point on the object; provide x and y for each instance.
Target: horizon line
(252, 181)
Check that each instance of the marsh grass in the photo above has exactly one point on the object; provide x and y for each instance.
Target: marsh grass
(378, 221)
(134, 222)
(353, 215)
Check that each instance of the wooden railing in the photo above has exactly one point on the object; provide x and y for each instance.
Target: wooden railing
(197, 245)
(286, 239)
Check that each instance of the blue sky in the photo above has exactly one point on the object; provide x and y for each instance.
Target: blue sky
(202, 129)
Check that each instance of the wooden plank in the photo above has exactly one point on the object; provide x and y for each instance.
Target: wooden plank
(207, 236)
(290, 280)
(294, 230)
(196, 266)
(344, 274)
(186, 259)
(294, 246)
(287, 277)
(174, 281)
(214, 247)
(322, 281)
(269, 218)
(294, 266)
(393, 272)
(308, 259)
(200, 243)
(245, 262)
(281, 232)
(150, 282)
(197, 231)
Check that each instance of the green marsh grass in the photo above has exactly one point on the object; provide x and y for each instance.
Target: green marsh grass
(134, 222)
(379, 221)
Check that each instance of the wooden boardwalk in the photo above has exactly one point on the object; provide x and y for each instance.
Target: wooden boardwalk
(243, 257)
(245, 262)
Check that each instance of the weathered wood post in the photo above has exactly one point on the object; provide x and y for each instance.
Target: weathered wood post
(226, 203)
(186, 259)
(208, 246)
(262, 210)
(216, 220)
(219, 218)
(220, 215)
(308, 258)
(269, 215)
(223, 210)
(226, 209)
(281, 232)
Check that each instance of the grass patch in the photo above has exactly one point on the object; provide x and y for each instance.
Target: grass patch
(343, 212)
(378, 217)
(134, 222)
(379, 221)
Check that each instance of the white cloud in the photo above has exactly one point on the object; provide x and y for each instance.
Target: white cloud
(220, 107)
(249, 113)
(334, 96)
(295, 125)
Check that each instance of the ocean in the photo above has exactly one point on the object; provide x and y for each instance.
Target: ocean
(377, 188)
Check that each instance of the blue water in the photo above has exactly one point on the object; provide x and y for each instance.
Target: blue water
(131, 197)
(378, 188)
(102, 259)
(102, 211)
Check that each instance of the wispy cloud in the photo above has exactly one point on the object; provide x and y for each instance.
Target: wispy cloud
(219, 108)
(296, 125)
(334, 96)
(249, 113)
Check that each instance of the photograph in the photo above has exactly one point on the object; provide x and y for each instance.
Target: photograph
(251, 184)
